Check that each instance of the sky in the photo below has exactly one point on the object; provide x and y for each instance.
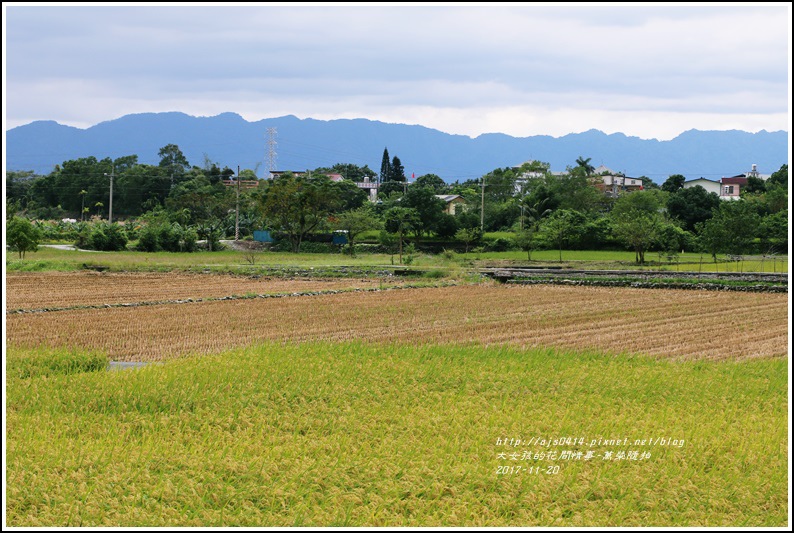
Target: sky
(647, 70)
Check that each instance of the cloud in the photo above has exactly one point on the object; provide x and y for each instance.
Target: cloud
(461, 69)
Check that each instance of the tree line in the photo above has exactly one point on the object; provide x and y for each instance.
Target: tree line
(173, 205)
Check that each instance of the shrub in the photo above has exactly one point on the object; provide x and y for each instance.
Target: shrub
(500, 245)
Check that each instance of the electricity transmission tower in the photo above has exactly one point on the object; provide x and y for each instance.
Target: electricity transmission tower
(271, 150)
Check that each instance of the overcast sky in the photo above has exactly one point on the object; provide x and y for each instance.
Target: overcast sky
(651, 71)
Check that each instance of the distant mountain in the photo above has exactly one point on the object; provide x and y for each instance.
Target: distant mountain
(230, 140)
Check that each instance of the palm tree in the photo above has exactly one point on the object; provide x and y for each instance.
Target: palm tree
(534, 213)
(585, 164)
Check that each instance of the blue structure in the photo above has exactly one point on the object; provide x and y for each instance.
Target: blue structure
(263, 236)
(340, 237)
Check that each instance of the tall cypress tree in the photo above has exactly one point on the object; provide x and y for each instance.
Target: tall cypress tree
(385, 167)
(397, 171)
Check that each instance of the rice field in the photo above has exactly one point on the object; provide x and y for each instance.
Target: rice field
(420, 407)
(372, 435)
(24, 290)
(661, 323)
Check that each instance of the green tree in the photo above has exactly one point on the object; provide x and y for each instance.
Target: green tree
(354, 223)
(209, 207)
(385, 167)
(350, 195)
(585, 165)
(652, 201)
(396, 170)
(22, 236)
(779, 177)
(674, 183)
(576, 191)
(468, 236)
(349, 171)
(754, 186)
(527, 240)
(562, 227)
(428, 208)
(18, 187)
(174, 161)
(692, 206)
(401, 220)
(297, 205)
(773, 231)
(648, 183)
(438, 185)
(731, 230)
(638, 229)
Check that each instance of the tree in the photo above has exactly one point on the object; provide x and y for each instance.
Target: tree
(351, 196)
(500, 185)
(22, 236)
(773, 230)
(297, 205)
(732, 228)
(526, 240)
(651, 202)
(385, 167)
(779, 177)
(429, 209)
(354, 223)
(585, 165)
(18, 188)
(648, 183)
(692, 206)
(576, 191)
(534, 212)
(396, 170)
(638, 229)
(674, 183)
(349, 171)
(468, 236)
(400, 220)
(438, 185)
(172, 159)
(561, 227)
(754, 185)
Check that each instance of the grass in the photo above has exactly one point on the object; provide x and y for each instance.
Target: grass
(353, 434)
(69, 260)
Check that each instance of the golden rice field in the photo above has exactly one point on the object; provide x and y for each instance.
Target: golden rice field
(663, 323)
(36, 290)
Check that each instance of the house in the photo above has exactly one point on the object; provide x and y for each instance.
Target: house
(732, 186)
(725, 188)
(454, 203)
(614, 184)
(710, 185)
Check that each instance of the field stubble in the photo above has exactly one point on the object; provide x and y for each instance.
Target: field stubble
(664, 323)
(35, 290)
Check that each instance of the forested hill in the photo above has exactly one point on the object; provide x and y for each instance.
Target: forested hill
(300, 144)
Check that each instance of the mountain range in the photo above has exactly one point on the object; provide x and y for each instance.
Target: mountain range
(300, 144)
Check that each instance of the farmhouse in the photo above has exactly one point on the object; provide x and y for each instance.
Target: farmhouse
(710, 185)
(454, 203)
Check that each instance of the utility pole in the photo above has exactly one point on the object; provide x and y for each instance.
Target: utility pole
(237, 215)
(110, 207)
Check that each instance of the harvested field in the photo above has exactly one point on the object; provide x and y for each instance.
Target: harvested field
(33, 290)
(658, 322)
